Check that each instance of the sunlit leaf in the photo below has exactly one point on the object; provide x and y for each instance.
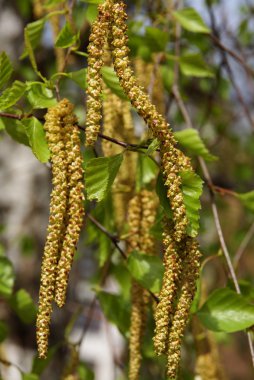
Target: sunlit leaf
(79, 77)
(191, 20)
(194, 65)
(33, 33)
(100, 175)
(37, 140)
(6, 277)
(6, 69)
(24, 306)
(192, 186)
(190, 139)
(16, 130)
(30, 376)
(111, 80)
(40, 96)
(227, 311)
(66, 37)
(12, 94)
(146, 269)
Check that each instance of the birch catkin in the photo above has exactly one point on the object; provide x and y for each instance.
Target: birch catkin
(55, 134)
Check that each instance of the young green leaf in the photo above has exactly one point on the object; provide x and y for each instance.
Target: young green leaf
(37, 139)
(100, 175)
(23, 305)
(156, 39)
(12, 94)
(116, 310)
(111, 80)
(66, 38)
(191, 20)
(79, 77)
(16, 130)
(247, 199)
(3, 331)
(6, 69)
(153, 146)
(161, 191)
(190, 139)
(146, 269)
(6, 277)
(194, 65)
(33, 33)
(192, 189)
(227, 311)
(39, 96)
(146, 171)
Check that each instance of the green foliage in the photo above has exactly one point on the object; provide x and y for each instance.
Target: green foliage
(29, 376)
(39, 365)
(100, 174)
(11, 95)
(37, 140)
(84, 372)
(247, 199)
(66, 38)
(227, 311)
(191, 20)
(191, 140)
(112, 81)
(146, 269)
(6, 277)
(40, 96)
(194, 65)
(79, 77)
(146, 171)
(16, 130)
(192, 190)
(23, 306)
(116, 310)
(6, 69)
(156, 39)
(33, 32)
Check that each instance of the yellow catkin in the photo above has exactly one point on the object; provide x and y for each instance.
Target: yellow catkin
(38, 8)
(160, 128)
(97, 41)
(165, 308)
(75, 212)
(187, 289)
(55, 133)
(142, 211)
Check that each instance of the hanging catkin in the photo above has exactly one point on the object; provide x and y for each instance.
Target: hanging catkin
(75, 209)
(141, 216)
(55, 133)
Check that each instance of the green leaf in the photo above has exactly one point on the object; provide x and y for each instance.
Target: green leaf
(79, 77)
(156, 39)
(16, 130)
(161, 191)
(194, 65)
(191, 20)
(147, 170)
(111, 80)
(3, 331)
(153, 146)
(100, 175)
(92, 1)
(66, 37)
(6, 69)
(23, 305)
(247, 199)
(39, 365)
(40, 96)
(30, 376)
(226, 311)
(84, 372)
(190, 139)
(192, 189)
(11, 95)
(146, 269)
(91, 12)
(33, 33)
(116, 310)
(52, 3)
(37, 139)
(6, 277)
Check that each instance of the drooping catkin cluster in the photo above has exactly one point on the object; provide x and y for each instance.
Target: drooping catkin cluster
(97, 41)
(66, 213)
(141, 217)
